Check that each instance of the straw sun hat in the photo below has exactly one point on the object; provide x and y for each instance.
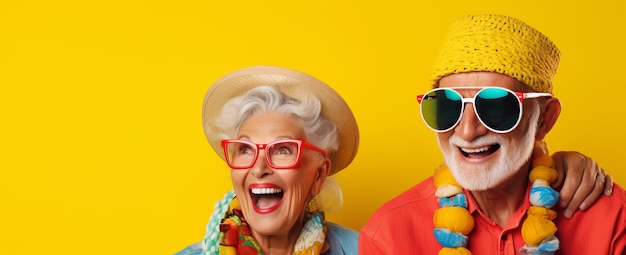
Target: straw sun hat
(294, 84)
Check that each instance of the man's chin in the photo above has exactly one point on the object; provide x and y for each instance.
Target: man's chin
(475, 179)
(476, 185)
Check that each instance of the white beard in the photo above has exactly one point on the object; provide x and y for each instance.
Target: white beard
(483, 176)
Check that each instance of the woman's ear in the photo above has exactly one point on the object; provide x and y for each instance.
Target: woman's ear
(322, 172)
(551, 111)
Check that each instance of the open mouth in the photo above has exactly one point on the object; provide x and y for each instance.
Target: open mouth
(266, 199)
(480, 152)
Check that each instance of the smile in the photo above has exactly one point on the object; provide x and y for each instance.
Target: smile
(266, 198)
(480, 152)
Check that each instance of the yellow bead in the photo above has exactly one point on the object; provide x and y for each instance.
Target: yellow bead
(542, 212)
(443, 176)
(538, 225)
(455, 219)
(543, 160)
(455, 251)
(544, 173)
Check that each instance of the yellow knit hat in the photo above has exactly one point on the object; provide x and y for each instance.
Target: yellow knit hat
(501, 44)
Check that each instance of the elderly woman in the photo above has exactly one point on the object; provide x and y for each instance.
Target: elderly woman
(283, 133)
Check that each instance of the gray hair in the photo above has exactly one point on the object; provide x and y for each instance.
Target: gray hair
(319, 131)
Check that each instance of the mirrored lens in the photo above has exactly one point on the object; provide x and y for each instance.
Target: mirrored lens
(441, 109)
(497, 108)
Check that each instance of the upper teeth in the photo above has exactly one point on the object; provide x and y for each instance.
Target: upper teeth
(477, 150)
(258, 191)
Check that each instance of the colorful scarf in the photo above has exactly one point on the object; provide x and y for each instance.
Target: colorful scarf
(453, 222)
(232, 235)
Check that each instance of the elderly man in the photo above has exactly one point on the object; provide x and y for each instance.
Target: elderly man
(491, 106)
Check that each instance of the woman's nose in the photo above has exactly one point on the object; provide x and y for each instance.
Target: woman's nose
(260, 167)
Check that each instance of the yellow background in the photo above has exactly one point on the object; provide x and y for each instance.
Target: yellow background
(101, 146)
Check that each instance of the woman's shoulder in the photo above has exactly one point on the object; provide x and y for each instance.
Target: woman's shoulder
(341, 230)
(342, 240)
(194, 249)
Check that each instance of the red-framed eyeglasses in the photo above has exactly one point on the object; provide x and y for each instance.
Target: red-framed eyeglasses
(280, 154)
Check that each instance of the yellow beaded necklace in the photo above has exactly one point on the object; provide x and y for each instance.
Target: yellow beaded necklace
(453, 222)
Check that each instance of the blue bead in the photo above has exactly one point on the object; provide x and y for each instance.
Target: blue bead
(549, 245)
(448, 239)
(457, 200)
(543, 196)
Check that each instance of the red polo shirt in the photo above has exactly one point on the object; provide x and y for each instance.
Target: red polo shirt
(404, 225)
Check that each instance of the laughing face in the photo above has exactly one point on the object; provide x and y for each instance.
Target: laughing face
(478, 158)
(273, 201)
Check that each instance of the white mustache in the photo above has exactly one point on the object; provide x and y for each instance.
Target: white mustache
(482, 141)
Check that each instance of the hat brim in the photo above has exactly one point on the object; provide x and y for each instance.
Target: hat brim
(296, 85)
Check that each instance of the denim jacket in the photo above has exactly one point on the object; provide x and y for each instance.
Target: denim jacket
(341, 240)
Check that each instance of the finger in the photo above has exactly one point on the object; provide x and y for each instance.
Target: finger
(574, 167)
(581, 187)
(597, 191)
(561, 168)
